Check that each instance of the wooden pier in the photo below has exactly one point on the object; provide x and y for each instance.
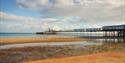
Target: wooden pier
(114, 32)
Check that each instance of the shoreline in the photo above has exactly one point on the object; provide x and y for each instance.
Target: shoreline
(56, 44)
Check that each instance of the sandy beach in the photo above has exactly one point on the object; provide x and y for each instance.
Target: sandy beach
(39, 39)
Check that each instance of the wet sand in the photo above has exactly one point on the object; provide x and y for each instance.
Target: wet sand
(38, 39)
(83, 43)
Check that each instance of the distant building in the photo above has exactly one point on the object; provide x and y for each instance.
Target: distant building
(87, 30)
(93, 29)
(79, 30)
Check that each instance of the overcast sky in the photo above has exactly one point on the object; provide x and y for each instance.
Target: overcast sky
(39, 15)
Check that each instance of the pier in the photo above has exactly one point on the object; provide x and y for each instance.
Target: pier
(114, 32)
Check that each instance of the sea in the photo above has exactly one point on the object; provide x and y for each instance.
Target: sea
(64, 34)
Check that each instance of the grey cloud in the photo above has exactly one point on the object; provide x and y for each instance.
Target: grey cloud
(89, 10)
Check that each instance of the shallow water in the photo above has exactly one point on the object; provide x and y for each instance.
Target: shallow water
(14, 35)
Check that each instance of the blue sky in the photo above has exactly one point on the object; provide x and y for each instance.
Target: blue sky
(39, 15)
(10, 6)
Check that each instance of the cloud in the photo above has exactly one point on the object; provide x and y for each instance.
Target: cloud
(65, 14)
(6, 16)
(58, 3)
(12, 22)
(89, 10)
(11, 17)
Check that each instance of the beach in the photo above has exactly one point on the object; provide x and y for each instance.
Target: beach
(59, 49)
(106, 53)
(40, 39)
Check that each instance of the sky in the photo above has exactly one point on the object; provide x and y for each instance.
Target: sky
(39, 15)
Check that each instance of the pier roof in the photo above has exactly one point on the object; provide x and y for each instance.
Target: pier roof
(114, 28)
